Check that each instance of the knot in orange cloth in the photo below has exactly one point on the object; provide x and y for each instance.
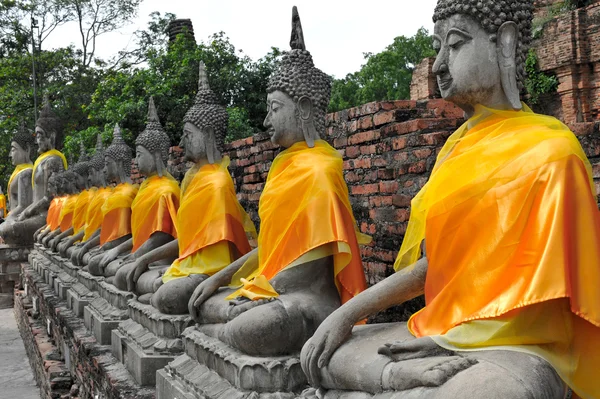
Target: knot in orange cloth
(154, 209)
(116, 213)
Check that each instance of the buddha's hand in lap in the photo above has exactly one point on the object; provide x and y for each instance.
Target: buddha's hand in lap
(108, 257)
(317, 351)
(242, 304)
(203, 291)
(140, 267)
(418, 348)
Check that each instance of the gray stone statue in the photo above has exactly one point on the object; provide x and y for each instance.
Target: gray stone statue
(301, 281)
(57, 190)
(116, 222)
(208, 198)
(49, 137)
(19, 188)
(481, 46)
(154, 209)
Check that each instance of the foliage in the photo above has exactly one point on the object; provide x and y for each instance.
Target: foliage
(384, 76)
(537, 82)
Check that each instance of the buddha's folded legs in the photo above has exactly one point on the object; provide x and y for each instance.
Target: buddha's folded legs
(21, 233)
(173, 297)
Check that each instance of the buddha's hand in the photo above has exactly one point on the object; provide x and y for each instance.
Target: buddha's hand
(413, 348)
(108, 257)
(317, 352)
(140, 266)
(205, 290)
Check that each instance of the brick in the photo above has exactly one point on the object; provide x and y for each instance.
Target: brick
(416, 168)
(368, 149)
(388, 186)
(383, 118)
(340, 142)
(401, 200)
(363, 137)
(422, 153)
(352, 151)
(365, 123)
(363, 163)
(381, 200)
(365, 189)
(399, 143)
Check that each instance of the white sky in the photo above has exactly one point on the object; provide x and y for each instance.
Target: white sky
(337, 32)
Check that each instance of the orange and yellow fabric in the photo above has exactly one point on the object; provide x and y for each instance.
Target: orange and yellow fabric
(53, 216)
(211, 223)
(3, 203)
(305, 215)
(512, 229)
(65, 219)
(154, 209)
(116, 213)
(94, 217)
(81, 207)
(42, 157)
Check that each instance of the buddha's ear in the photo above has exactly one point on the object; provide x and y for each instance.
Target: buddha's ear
(209, 144)
(306, 111)
(506, 48)
(160, 166)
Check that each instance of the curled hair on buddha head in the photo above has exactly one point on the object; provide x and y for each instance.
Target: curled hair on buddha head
(83, 164)
(50, 123)
(154, 138)
(298, 77)
(24, 138)
(68, 181)
(55, 180)
(118, 150)
(206, 111)
(492, 14)
(97, 160)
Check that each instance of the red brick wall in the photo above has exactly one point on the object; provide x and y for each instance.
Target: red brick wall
(424, 84)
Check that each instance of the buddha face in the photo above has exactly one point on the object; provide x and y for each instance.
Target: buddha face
(193, 142)
(18, 154)
(44, 140)
(282, 120)
(467, 62)
(145, 161)
(81, 181)
(111, 170)
(96, 177)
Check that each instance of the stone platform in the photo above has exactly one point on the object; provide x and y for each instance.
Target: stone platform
(148, 341)
(10, 272)
(211, 369)
(104, 313)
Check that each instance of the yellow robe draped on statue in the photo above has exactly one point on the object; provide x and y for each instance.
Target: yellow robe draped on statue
(512, 230)
(116, 213)
(42, 157)
(94, 217)
(18, 169)
(3, 203)
(154, 209)
(305, 213)
(65, 218)
(53, 216)
(211, 224)
(81, 207)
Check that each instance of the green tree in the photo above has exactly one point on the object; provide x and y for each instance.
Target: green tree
(385, 75)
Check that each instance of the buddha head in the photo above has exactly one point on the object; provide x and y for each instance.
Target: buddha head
(205, 125)
(298, 95)
(70, 183)
(117, 158)
(21, 146)
(481, 50)
(152, 146)
(55, 184)
(48, 129)
(81, 169)
(96, 170)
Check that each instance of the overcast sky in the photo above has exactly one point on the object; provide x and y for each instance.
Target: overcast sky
(337, 32)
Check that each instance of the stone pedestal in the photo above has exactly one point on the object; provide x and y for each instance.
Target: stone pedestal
(211, 369)
(148, 341)
(104, 313)
(11, 258)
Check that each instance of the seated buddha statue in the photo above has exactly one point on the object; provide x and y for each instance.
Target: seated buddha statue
(3, 205)
(48, 133)
(98, 195)
(154, 209)
(56, 191)
(512, 261)
(19, 188)
(82, 196)
(71, 190)
(115, 213)
(308, 261)
(211, 223)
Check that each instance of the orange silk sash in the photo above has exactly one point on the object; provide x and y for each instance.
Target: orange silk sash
(154, 209)
(305, 205)
(53, 216)
(209, 213)
(116, 213)
(94, 217)
(66, 212)
(81, 208)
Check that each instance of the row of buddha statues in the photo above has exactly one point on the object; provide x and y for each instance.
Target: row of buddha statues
(512, 262)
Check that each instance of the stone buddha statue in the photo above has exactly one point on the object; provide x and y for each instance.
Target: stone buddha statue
(70, 188)
(98, 193)
(48, 136)
(211, 223)
(303, 268)
(115, 212)
(19, 188)
(512, 264)
(81, 198)
(154, 209)
(58, 192)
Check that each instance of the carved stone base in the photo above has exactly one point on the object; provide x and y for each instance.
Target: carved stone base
(63, 283)
(148, 341)
(78, 297)
(211, 369)
(104, 313)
